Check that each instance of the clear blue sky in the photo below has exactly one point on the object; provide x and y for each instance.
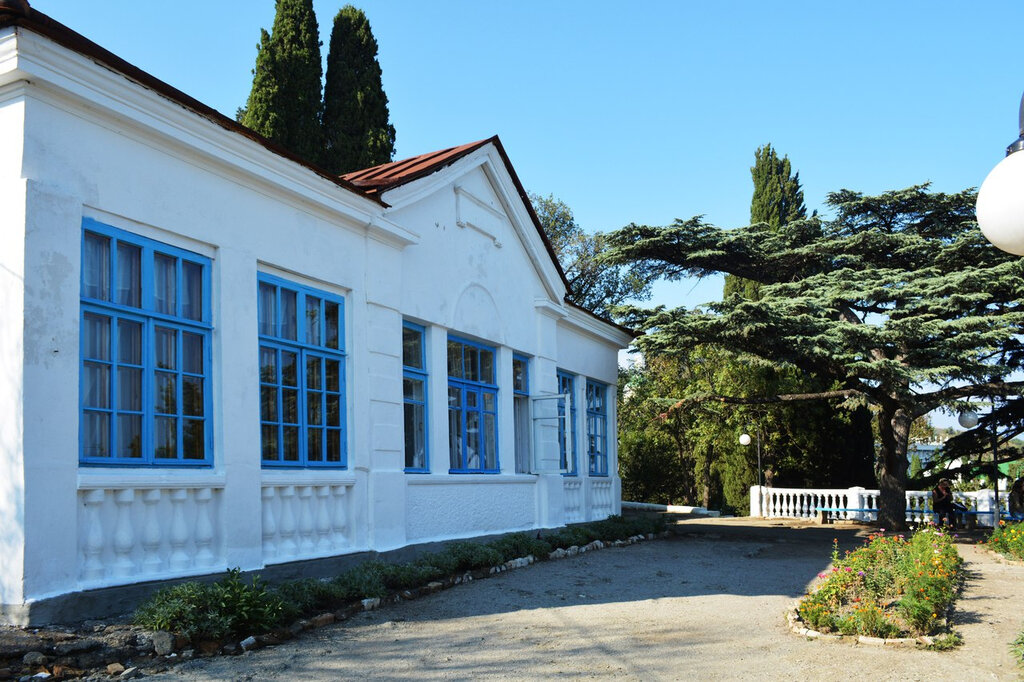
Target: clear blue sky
(647, 111)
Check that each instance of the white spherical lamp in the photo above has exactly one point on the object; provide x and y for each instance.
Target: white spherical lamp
(1000, 208)
(968, 420)
(745, 439)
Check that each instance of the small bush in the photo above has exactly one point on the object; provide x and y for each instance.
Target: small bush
(212, 611)
(1008, 540)
(519, 545)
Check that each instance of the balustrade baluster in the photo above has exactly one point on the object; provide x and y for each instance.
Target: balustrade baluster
(339, 520)
(179, 530)
(124, 533)
(204, 528)
(289, 546)
(269, 525)
(306, 529)
(323, 518)
(92, 567)
(151, 535)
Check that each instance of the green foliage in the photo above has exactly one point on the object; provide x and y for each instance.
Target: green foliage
(778, 200)
(519, 545)
(284, 103)
(593, 284)
(356, 129)
(212, 611)
(890, 587)
(1008, 540)
(898, 300)
(1017, 649)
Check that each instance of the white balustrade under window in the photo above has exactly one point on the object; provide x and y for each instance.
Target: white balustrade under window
(303, 520)
(573, 500)
(601, 503)
(129, 533)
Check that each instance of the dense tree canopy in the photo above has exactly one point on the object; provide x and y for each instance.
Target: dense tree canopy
(898, 297)
(284, 103)
(593, 284)
(356, 130)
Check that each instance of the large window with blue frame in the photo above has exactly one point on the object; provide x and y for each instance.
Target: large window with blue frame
(145, 351)
(414, 387)
(597, 428)
(472, 407)
(567, 437)
(302, 375)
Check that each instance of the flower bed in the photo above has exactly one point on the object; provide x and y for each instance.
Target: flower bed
(1008, 540)
(892, 587)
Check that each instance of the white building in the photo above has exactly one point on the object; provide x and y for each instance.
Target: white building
(214, 355)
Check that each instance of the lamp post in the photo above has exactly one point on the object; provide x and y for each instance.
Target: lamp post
(969, 420)
(745, 441)
(1000, 208)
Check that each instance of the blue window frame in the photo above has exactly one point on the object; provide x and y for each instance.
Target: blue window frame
(472, 408)
(597, 428)
(567, 385)
(302, 375)
(414, 387)
(145, 351)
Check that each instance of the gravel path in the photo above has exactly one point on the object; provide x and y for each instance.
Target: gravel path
(706, 605)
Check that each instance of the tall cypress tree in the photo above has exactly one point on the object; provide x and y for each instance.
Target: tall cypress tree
(778, 200)
(284, 104)
(356, 130)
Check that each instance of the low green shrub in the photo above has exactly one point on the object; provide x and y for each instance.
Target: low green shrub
(1008, 540)
(519, 545)
(229, 606)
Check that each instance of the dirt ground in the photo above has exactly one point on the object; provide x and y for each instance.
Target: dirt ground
(705, 604)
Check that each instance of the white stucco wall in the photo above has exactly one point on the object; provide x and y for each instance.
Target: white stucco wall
(457, 253)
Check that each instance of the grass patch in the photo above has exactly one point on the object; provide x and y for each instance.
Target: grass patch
(233, 607)
(891, 587)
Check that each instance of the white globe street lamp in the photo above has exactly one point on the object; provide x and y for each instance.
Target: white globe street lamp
(968, 420)
(1000, 208)
(745, 441)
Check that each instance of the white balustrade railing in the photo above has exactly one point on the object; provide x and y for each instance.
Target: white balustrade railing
(573, 487)
(803, 503)
(129, 533)
(601, 502)
(302, 521)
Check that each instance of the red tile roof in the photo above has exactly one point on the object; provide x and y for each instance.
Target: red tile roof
(390, 175)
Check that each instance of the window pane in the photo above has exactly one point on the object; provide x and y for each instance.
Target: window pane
(472, 363)
(519, 375)
(289, 324)
(455, 438)
(96, 385)
(166, 437)
(486, 366)
(314, 408)
(489, 402)
(96, 337)
(472, 440)
(192, 352)
(268, 403)
(415, 436)
(312, 320)
(268, 365)
(166, 348)
(290, 412)
(334, 410)
(332, 329)
(267, 305)
(413, 389)
(455, 359)
(269, 441)
(333, 370)
(313, 373)
(454, 397)
(192, 396)
(129, 389)
(129, 275)
(314, 445)
(288, 375)
(166, 393)
(129, 342)
(490, 443)
(96, 267)
(193, 445)
(95, 434)
(472, 399)
(291, 444)
(129, 435)
(333, 446)
(164, 273)
(412, 347)
(192, 291)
